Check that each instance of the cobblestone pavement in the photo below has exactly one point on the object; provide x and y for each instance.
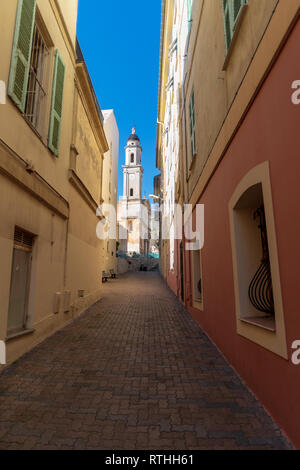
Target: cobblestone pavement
(133, 372)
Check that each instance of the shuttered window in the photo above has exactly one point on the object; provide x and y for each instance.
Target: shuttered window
(231, 12)
(36, 90)
(21, 53)
(57, 104)
(192, 126)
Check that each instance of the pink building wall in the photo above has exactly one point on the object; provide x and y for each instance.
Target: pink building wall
(270, 132)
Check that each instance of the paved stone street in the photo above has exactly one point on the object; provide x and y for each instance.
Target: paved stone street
(134, 372)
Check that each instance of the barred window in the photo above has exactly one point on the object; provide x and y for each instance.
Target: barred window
(36, 93)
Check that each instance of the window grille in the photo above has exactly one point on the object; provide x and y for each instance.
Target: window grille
(35, 91)
(22, 238)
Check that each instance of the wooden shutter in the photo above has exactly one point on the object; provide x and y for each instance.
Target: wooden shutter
(21, 53)
(231, 12)
(192, 125)
(227, 22)
(57, 104)
(237, 5)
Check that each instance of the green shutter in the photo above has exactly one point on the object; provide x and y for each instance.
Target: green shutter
(227, 22)
(21, 53)
(192, 126)
(57, 104)
(237, 5)
(189, 13)
(231, 13)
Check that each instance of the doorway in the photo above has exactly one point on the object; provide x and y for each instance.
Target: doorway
(20, 282)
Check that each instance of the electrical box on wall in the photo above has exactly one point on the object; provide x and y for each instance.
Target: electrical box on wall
(56, 302)
(67, 301)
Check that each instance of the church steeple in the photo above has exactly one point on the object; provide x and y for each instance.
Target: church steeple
(132, 170)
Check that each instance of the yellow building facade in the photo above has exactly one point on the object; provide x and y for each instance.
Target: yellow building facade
(52, 144)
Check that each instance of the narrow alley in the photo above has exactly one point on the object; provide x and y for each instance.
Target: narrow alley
(135, 371)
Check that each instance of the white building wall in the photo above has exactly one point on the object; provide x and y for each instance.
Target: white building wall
(171, 135)
(110, 182)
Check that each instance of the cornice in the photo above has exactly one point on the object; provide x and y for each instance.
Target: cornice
(63, 28)
(82, 189)
(87, 95)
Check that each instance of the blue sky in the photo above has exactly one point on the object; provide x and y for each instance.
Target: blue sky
(120, 43)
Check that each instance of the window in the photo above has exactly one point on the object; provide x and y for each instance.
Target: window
(259, 309)
(130, 227)
(26, 85)
(131, 192)
(192, 126)
(231, 11)
(132, 158)
(20, 282)
(197, 278)
(253, 258)
(36, 89)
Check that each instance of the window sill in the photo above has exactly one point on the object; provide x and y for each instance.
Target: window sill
(235, 34)
(198, 304)
(33, 128)
(35, 131)
(267, 323)
(192, 164)
(25, 332)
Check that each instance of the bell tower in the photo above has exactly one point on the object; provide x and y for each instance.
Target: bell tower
(133, 209)
(132, 170)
